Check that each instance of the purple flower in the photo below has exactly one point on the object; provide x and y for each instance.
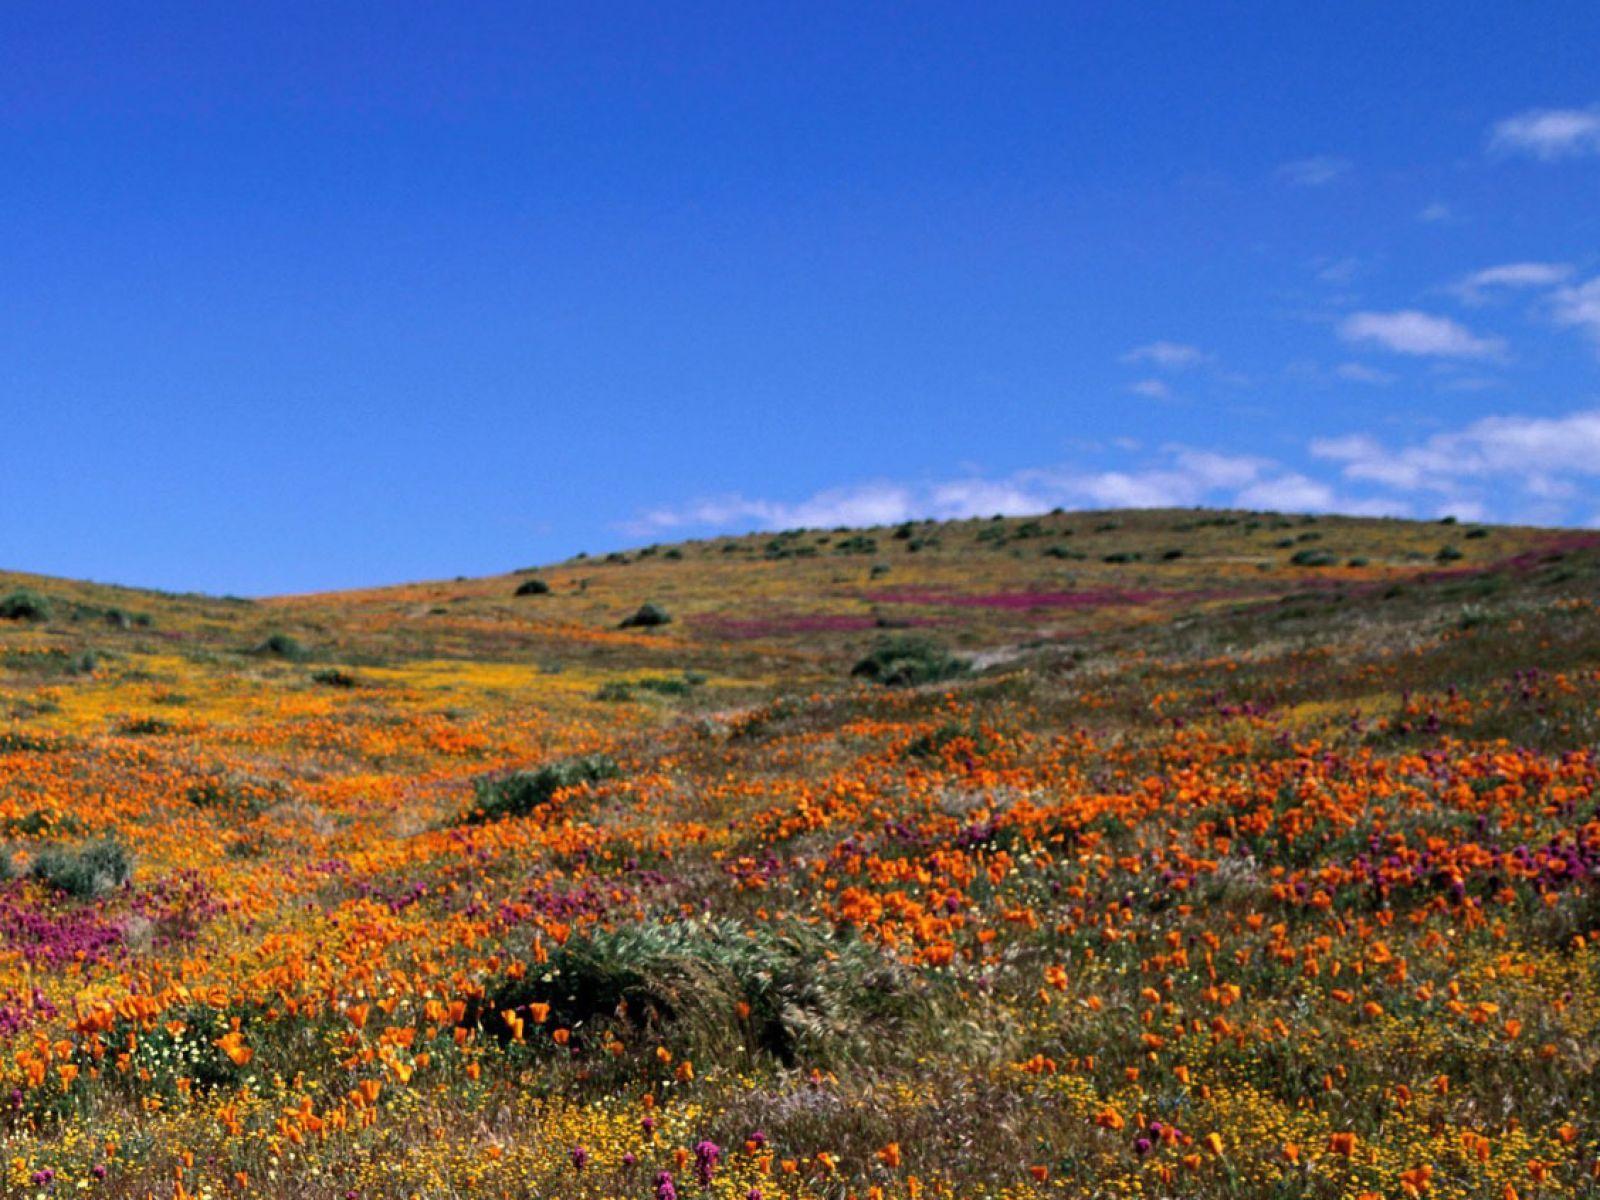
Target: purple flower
(706, 1156)
(580, 1156)
(664, 1188)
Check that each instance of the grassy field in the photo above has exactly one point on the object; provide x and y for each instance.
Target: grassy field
(1167, 853)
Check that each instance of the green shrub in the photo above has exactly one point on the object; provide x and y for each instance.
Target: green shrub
(1447, 554)
(858, 543)
(144, 727)
(810, 995)
(85, 872)
(24, 606)
(519, 793)
(647, 616)
(334, 677)
(904, 660)
(533, 587)
(281, 645)
(1313, 558)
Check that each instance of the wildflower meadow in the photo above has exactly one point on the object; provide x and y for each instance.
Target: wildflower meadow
(1165, 854)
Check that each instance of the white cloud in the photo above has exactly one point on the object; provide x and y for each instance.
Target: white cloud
(1315, 171)
(1354, 372)
(1548, 133)
(1578, 306)
(1514, 467)
(1512, 275)
(1168, 356)
(1290, 493)
(1174, 477)
(1434, 213)
(1418, 333)
(1151, 389)
(1539, 456)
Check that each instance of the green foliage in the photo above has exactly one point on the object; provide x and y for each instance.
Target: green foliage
(903, 660)
(23, 605)
(521, 792)
(144, 727)
(858, 543)
(282, 645)
(533, 587)
(661, 685)
(1447, 554)
(647, 616)
(812, 996)
(85, 871)
(1313, 558)
(334, 677)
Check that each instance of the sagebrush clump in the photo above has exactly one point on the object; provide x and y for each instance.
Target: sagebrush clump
(84, 871)
(521, 792)
(903, 660)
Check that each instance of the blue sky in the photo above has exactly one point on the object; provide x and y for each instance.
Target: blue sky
(309, 295)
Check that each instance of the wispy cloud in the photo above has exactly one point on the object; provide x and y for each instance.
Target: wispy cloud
(1578, 307)
(1315, 171)
(1408, 331)
(1175, 476)
(1521, 463)
(1168, 356)
(1354, 372)
(1511, 275)
(1435, 213)
(1510, 467)
(1150, 389)
(1548, 133)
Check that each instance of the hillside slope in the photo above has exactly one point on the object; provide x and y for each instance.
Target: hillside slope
(1211, 854)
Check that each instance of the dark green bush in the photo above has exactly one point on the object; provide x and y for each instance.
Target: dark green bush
(533, 587)
(24, 606)
(1447, 554)
(334, 677)
(858, 543)
(647, 616)
(1313, 558)
(903, 660)
(85, 872)
(144, 727)
(661, 685)
(519, 793)
(811, 995)
(281, 645)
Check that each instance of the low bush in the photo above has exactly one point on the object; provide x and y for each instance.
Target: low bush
(903, 660)
(85, 872)
(647, 616)
(519, 793)
(281, 645)
(1313, 558)
(334, 677)
(24, 606)
(792, 991)
(533, 587)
